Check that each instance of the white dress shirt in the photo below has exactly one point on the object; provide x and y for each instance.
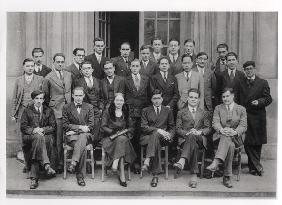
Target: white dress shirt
(173, 58)
(156, 111)
(28, 78)
(189, 74)
(89, 81)
(99, 57)
(229, 71)
(157, 56)
(110, 79)
(38, 68)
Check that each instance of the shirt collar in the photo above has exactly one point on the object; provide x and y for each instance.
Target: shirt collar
(189, 73)
(156, 54)
(155, 108)
(231, 106)
(76, 65)
(98, 55)
(28, 77)
(252, 78)
(36, 108)
(133, 75)
(191, 108)
(173, 56)
(229, 71)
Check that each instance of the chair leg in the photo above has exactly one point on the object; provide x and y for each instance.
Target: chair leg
(166, 162)
(128, 172)
(92, 163)
(239, 165)
(203, 163)
(103, 164)
(142, 159)
(65, 164)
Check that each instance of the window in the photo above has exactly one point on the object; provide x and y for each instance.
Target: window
(162, 24)
(103, 23)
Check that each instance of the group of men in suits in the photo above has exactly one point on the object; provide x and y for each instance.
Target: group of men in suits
(163, 81)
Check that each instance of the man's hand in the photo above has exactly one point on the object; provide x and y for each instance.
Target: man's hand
(84, 128)
(255, 102)
(38, 130)
(164, 133)
(70, 132)
(13, 118)
(168, 106)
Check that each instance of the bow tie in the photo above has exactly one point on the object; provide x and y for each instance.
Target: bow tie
(78, 106)
(250, 81)
(222, 62)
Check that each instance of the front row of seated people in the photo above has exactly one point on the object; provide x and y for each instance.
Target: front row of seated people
(193, 126)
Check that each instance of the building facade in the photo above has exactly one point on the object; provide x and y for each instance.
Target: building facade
(253, 35)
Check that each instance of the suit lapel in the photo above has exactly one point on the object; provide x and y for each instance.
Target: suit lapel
(142, 83)
(55, 78)
(161, 80)
(74, 111)
(131, 83)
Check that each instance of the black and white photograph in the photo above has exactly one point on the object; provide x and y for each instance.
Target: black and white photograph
(124, 103)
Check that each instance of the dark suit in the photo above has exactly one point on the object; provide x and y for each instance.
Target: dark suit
(136, 101)
(44, 71)
(169, 88)
(75, 72)
(122, 68)
(237, 121)
(152, 58)
(256, 133)
(151, 69)
(224, 81)
(38, 150)
(191, 143)
(150, 123)
(175, 67)
(106, 94)
(98, 67)
(71, 122)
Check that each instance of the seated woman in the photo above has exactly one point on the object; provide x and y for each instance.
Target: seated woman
(38, 126)
(117, 131)
(230, 123)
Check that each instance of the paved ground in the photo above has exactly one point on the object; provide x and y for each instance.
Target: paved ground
(249, 186)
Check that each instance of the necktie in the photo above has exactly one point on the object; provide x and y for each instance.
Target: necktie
(232, 76)
(60, 74)
(229, 113)
(39, 111)
(158, 110)
(137, 82)
(165, 77)
(99, 59)
(78, 108)
(250, 82)
(145, 65)
(187, 76)
(89, 83)
(193, 112)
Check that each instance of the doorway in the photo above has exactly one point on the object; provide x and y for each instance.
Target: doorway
(124, 27)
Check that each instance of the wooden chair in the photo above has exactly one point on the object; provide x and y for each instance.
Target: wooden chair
(164, 161)
(102, 163)
(89, 148)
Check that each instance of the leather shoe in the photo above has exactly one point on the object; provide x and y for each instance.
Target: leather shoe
(154, 182)
(71, 168)
(178, 168)
(253, 172)
(80, 181)
(33, 183)
(227, 182)
(260, 172)
(136, 170)
(124, 184)
(193, 184)
(50, 172)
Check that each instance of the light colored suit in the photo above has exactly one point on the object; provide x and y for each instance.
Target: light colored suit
(195, 81)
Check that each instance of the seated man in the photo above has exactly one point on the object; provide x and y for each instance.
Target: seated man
(157, 124)
(78, 124)
(193, 125)
(38, 126)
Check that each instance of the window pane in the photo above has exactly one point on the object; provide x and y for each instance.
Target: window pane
(103, 15)
(174, 29)
(100, 15)
(163, 14)
(174, 14)
(149, 31)
(150, 14)
(162, 30)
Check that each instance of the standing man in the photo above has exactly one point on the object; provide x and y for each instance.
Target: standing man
(137, 98)
(157, 45)
(209, 81)
(193, 126)
(174, 57)
(148, 66)
(221, 65)
(122, 62)
(78, 124)
(189, 79)
(38, 126)
(97, 59)
(254, 96)
(57, 86)
(39, 69)
(92, 95)
(166, 83)
(24, 86)
(157, 124)
(75, 67)
(189, 46)
(231, 77)
(110, 85)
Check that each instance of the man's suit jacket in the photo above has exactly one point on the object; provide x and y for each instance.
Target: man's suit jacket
(122, 68)
(238, 120)
(74, 71)
(217, 68)
(98, 67)
(151, 122)
(92, 95)
(175, 67)
(169, 88)
(209, 88)
(195, 81)
(224, 81)
(257, 90)
(118, 88)
(185, 122)
(152, 58)
(151, 69)
(72, 119)
(36, 84)
(44, 71)
(137, 99)
(58, 92)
